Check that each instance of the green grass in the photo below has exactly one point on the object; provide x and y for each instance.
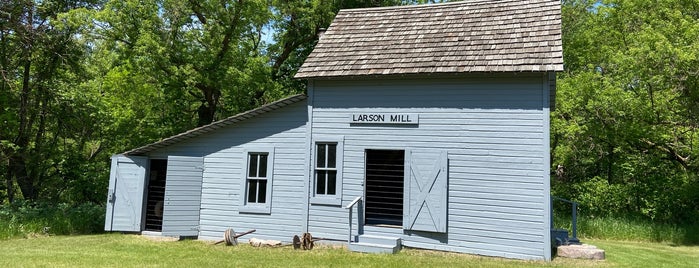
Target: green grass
(632, 230)
(112, 250)
(624, 229)
(645, 254)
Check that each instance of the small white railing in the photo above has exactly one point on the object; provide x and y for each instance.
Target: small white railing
(360, 217)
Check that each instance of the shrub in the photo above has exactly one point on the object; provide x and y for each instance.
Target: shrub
(29, 219)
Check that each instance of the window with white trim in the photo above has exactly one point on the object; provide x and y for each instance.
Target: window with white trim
(327, 170)
(257, 183)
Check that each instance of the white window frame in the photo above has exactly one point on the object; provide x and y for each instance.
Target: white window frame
(260, 208)
(324, 199)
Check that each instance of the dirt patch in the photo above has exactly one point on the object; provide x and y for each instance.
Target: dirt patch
(160, 238)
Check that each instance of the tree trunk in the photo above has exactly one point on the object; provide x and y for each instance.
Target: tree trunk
(18, 159)
(18, 166)
(207, 110)
(206, 114)
(10, 186)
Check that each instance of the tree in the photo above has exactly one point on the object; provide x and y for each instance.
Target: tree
(297, 25)
(198, 61)
(625, 130)
(203, 56)
(40, 63)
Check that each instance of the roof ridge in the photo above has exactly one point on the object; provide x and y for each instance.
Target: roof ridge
(431, 5)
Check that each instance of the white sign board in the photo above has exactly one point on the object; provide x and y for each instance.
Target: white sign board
(384, 118)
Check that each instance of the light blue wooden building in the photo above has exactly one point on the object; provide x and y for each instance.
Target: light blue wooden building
(423, 126)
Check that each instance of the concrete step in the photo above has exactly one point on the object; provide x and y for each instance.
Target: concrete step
(373, 248)
(380, 240)
(376, 244)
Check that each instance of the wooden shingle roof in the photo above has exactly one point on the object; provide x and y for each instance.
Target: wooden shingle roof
(459, 37)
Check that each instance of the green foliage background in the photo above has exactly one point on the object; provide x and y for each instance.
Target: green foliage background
(81, 80)
(624, 134)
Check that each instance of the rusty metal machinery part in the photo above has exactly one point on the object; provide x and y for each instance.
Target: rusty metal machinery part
(230, 238)
(296, 241)
(307, 241)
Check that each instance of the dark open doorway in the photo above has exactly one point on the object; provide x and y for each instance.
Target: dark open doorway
(156, 195)
(384, 187)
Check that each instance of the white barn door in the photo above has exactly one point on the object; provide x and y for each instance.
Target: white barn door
(182, 196)
(426, 191)
(127, 178)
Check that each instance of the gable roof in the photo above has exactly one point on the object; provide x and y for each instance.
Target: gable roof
(459, 37)
(217, 125)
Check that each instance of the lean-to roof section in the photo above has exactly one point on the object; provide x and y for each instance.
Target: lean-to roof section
(217, 125)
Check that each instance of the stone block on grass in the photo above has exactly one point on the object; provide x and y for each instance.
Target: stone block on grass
(580, 252)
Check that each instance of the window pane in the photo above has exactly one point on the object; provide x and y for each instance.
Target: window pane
(263, 167)
(262, 191)
(320, 155)
(320, 181)
(252, 191)
(331, 155)
(252, 166)
(332, 175)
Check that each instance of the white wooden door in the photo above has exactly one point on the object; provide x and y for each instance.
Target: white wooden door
(426, 191)
(126, 193)
(182, 196)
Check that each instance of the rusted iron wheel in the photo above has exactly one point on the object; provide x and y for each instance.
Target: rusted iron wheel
(296, 242)
(307, 241)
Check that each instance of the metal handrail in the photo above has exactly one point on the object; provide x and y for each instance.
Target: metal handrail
(354, 202)
(360, 226)
(574, 215)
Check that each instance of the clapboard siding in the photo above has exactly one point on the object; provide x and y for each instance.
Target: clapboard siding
(493, 130)
(224, 166)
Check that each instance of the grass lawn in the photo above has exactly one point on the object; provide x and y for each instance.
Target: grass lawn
(116, 250)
